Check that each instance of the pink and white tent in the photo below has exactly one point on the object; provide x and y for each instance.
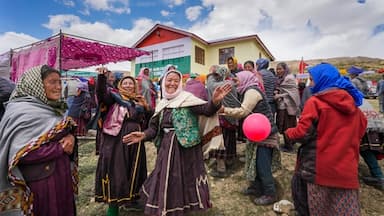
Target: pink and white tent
(64, 52)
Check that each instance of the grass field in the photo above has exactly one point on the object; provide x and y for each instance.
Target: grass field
(225, 193)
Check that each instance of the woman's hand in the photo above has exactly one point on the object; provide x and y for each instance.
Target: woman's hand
(67, 143)
(102, 70)
(220, 92)
(141, 101)
(133, 137)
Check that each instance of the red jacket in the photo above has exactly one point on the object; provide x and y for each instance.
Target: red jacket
(330, 129)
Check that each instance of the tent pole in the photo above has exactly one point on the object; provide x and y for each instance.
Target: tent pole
(60, 49)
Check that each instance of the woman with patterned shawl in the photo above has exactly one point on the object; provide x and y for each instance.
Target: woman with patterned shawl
(38, 150)
(178, 184)
(287, 99)
(217, 77)
(121, 169)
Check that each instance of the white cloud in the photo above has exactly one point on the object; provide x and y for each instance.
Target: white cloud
(115, 6)
(164, 13)
(14, 40)
(69, 3)
(193, 13)
(336, 29)
(172, 3)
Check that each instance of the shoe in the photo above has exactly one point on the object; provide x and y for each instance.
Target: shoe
(265, 200)
(251, 191)
(218, 174)
(375, 182)
(287, 149)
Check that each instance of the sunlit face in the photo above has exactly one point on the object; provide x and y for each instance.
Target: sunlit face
(172, 82)
(248, 67)
(52, 86)
(279, 70)
(231, 64)
(128, 85)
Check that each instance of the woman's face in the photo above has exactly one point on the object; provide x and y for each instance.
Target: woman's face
(248, 67)
(172, 82)
(128, 85)
(52, 86)
(231, 65)
(279, 70)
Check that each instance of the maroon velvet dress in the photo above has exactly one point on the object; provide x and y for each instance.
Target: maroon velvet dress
(51, 184)
(178, 184)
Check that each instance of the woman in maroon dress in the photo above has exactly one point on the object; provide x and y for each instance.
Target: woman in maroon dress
(178, 183)
(121, 169)
(38, 149)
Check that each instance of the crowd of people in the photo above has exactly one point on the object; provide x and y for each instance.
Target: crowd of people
(191, 124)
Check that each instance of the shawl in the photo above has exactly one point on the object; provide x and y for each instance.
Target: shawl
(208, 126)
(292, 100)
(27, 124)
(327, 76)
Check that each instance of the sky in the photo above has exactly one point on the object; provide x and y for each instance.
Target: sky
(291, 29)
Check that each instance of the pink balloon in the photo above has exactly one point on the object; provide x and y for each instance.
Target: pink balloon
(256, 127)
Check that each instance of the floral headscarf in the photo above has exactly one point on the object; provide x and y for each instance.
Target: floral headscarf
(246, 79)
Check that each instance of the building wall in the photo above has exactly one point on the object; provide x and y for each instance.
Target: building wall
(196, 67)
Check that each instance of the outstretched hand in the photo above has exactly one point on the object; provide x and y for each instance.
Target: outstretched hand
(220, 92)
(133, 137)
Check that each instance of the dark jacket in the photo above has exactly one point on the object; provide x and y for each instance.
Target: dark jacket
(330, 129)
(6, 88)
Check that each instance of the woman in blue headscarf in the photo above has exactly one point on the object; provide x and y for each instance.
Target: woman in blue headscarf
(330, 128)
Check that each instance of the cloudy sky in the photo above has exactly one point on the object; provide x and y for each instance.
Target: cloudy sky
(291, 29)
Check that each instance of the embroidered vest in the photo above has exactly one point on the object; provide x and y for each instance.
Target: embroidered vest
(186, 128)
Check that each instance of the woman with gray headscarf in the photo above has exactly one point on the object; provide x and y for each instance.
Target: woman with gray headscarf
(228, 124)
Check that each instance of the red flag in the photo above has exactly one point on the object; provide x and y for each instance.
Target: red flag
(302, 66)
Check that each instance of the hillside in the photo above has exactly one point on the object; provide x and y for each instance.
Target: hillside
(340, 62)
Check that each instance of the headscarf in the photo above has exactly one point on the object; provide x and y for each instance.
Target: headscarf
(31, 84)
(82, 86)
(124, 93)
(355, 70)
(142, 75)
(262, 63)
(234, 59)
(246, 79)
(164, 92)
(327, 76)
(281, 78)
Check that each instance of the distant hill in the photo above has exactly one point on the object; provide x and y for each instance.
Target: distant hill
(340, 62)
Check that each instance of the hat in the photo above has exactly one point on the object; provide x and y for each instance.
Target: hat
(355, 70)
(193, 75)
(82, 86)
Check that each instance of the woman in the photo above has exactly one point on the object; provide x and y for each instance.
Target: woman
(38, 149)
(287, 99)
(146, 87)
(224, 158)
(258, 154)
(178, 184)
(250, 66)
(80, 109)
(121, 169)
(330, 128)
